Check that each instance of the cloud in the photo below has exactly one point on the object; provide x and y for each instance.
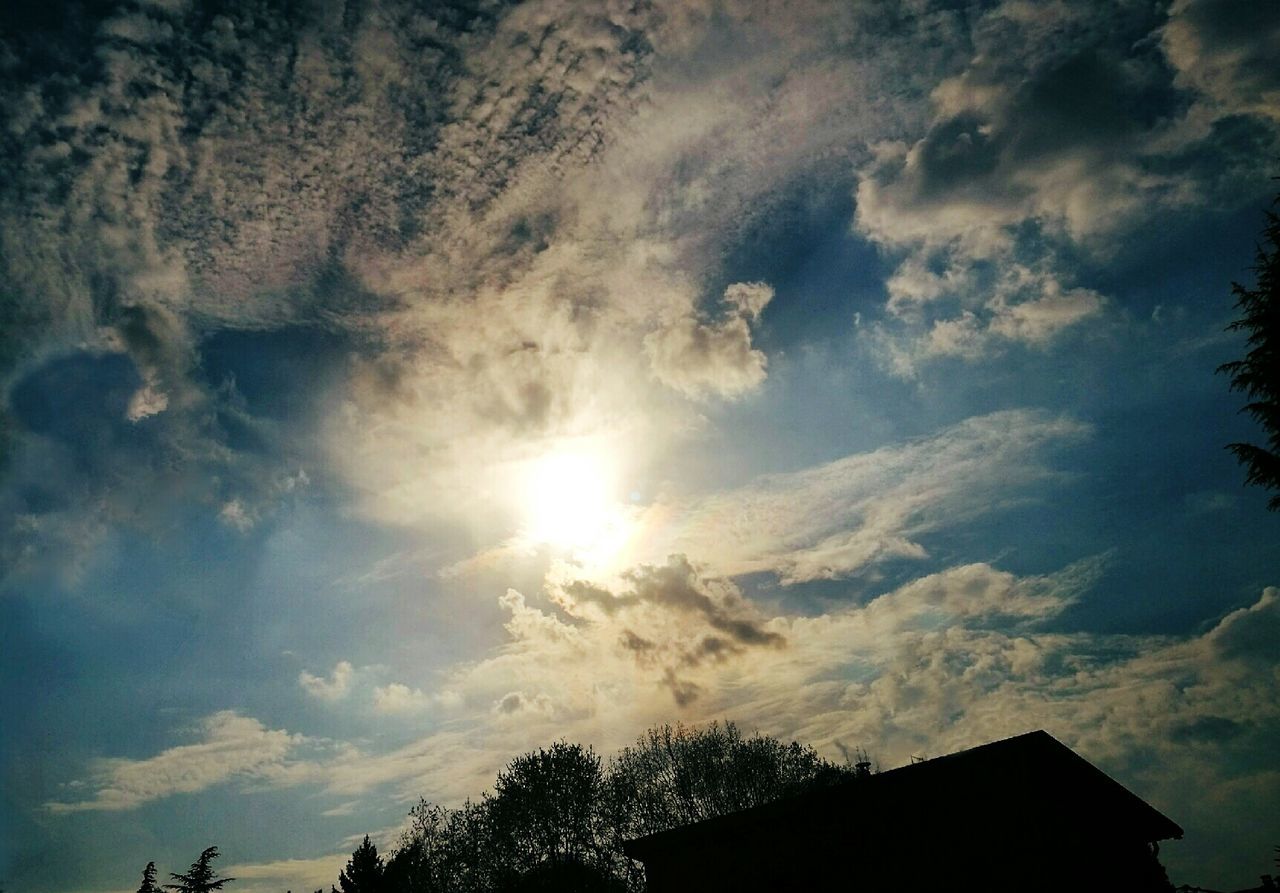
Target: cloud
(676, 586)
(1038, 320)
(838, 519)
(1222, 50)
(301, 874)
(83, 459)
(1059, 134)
(950, 660)
(955, 658)
(514, 218)
(517, 702)
(231, 747)
(977, 595)
(336, 687)
(515, 226)
(704, 358)
(1018, 137)
(1248, 634)
(1024, 306)
(521, 221)
(148, 400)
(398, 698)
(667, 618)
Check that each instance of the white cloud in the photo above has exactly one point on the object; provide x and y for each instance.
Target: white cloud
(148, 400)
(536, 231)
(523, 217)
(947, 661)
(1037, 133)
(1224, 51)
(704, 358)
(834, 520)
(318, 873)
(398, 698)
(1038, 320)
(234, 514)
(336, 687)
(533, 229)
(231, 746)
(1024, 306)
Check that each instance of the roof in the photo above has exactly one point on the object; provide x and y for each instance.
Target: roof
(1031, 777)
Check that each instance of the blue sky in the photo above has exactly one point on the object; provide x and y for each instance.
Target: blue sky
(387, 392)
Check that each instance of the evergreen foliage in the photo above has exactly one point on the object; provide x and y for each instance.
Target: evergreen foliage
(149, 884)
(200, 878)
(364, 870)
(1257, 375)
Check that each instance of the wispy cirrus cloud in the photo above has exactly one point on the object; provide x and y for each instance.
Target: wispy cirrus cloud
(302, 873)
(835, 520)
(230, 747)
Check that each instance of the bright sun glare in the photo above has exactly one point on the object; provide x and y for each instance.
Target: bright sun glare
(570, 504)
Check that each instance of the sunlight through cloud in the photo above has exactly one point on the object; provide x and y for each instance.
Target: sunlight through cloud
(570, 505)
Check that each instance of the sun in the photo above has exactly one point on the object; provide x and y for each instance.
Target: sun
(570, 502)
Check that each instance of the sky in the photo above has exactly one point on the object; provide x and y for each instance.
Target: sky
(389, 388)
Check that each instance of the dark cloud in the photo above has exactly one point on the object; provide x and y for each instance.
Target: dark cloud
(86, 456)
(583, 592)
(636, 644)
(712, 648)
(1064, 130)
(1226, 50)
(683, 691)
(1250, 634)
(1211, 729)
(517, 702)
(80, 401)
(1006, 133)
(676, 620)
(510, 703)
(678, 586)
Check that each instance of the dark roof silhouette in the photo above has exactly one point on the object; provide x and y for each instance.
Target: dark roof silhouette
(999, 802)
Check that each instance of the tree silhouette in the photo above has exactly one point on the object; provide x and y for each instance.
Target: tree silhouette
(200, 878)
(675, 776)
(445, 850)
(546, 807)
(557, 817)
(1257, 375)
(363, 873)
(149, 884)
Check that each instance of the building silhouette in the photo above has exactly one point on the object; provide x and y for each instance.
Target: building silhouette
(1025, 813)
